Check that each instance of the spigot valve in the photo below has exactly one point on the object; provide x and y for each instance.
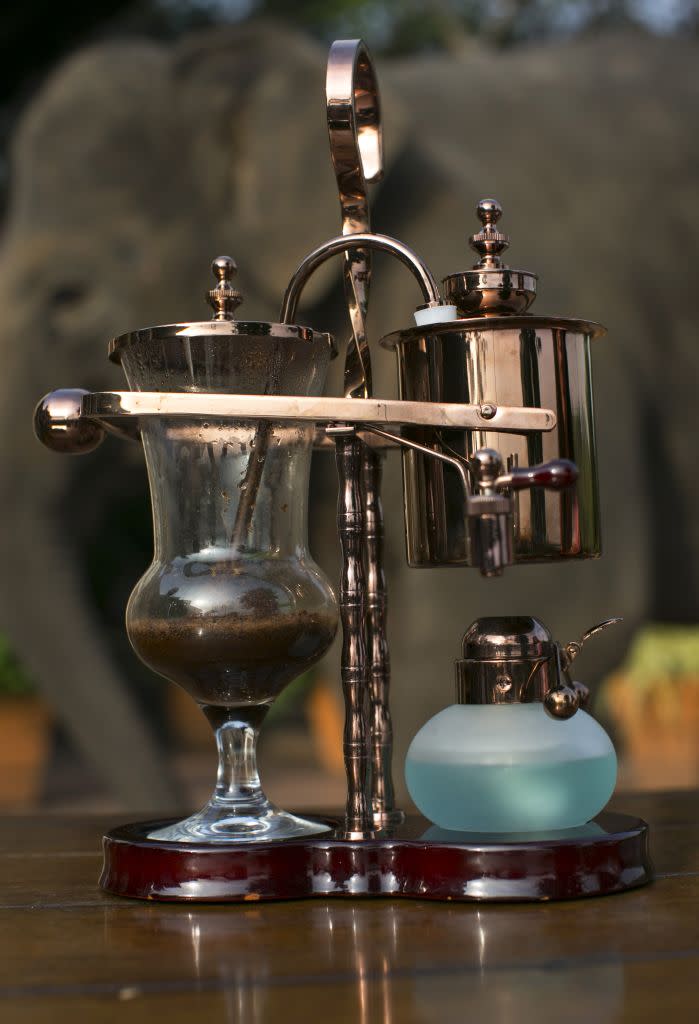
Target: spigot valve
(490, 510)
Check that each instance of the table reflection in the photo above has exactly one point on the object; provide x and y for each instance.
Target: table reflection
(375, 962)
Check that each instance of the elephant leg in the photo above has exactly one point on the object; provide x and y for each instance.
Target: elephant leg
(48, 619)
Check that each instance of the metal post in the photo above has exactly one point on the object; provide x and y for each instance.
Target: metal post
(353, 607)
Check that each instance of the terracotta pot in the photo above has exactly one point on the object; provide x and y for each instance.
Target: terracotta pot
(659, 730)
(24, 745)
(188, 725)
(326, 718)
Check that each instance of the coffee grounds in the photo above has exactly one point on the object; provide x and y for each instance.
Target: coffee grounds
(230, 660)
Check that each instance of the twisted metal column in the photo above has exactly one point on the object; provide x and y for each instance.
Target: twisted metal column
(384, 812)
(356, 148)
(353, 606)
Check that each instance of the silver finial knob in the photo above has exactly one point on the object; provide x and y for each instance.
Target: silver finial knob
(489, 243)
(489, 211)
(59, 424)
(223, 298)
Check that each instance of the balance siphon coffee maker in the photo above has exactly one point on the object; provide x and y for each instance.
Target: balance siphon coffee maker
(495, 424)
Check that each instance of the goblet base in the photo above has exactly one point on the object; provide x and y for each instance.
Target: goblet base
(219, 823)
(414, 860)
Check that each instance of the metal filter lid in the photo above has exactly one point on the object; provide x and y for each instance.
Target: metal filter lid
(224, 300)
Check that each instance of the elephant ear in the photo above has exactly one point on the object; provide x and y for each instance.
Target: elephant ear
(255, 96)
(98, 135)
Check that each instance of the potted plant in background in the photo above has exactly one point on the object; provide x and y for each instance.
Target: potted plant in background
(24, 733)
(653, 703)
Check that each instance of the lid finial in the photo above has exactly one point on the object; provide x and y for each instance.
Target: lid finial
(223, 298)
(490, 288)
(489, 243)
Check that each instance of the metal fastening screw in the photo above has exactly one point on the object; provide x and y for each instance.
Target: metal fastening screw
(488, 411)
(503, 685)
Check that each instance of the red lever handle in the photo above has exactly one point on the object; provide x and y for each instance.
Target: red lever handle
(555, 476)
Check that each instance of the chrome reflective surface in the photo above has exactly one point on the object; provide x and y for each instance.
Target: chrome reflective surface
(570, 324)
(213, 329)
(515, 660)
(362, 240)
(506, 660)
(527, 361)
(356, 148)
(355, 135)
(505, 637)
(59, 425)
(573, 649)
(490, 287)
(223, 298)
(114, 405)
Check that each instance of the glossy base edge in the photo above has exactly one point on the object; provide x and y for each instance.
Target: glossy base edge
(400, 863)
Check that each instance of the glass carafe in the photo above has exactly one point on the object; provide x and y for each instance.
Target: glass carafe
(233, 607)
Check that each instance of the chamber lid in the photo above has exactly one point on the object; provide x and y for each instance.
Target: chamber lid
(490, 287)
(224, 300)
(497, 638)
(490, 296)
(481, 324)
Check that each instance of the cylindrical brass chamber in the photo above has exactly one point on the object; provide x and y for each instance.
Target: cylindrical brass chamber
(490, 361)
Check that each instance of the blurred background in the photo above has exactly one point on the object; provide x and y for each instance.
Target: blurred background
(140, 139)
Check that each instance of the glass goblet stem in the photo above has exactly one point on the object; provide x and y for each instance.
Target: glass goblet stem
(238, 781)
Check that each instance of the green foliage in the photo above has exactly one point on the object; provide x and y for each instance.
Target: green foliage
(413, 26)
(407, 27)
(660, 655)
(291, 702)
(14, 681)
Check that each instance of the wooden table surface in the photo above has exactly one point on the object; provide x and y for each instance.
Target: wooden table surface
(71, 953)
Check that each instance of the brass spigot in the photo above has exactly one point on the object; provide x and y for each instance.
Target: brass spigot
(490, 511)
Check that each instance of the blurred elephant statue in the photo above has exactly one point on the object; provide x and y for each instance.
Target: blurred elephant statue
(137, 163)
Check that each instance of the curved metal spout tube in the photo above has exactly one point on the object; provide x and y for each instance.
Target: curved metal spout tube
(348, 243)
(451, 460)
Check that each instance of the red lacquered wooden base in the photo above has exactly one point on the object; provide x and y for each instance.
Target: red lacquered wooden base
(609, 854)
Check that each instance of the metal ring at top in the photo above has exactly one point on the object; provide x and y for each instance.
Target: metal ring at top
(356, 148)
(354, 127)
